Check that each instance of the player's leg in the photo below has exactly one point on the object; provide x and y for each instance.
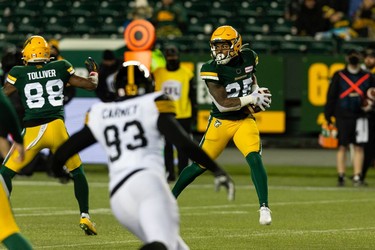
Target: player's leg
(149, 212)
(247, 140)
(74, 165)
(11, 165)
(183, 159)
(213, 143)
(169, 161)
(10, 234)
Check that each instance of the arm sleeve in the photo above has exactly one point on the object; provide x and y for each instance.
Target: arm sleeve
(77, 142)
(175, 134)
(9, 119)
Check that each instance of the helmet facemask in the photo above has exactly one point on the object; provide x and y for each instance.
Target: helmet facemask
(225, 34)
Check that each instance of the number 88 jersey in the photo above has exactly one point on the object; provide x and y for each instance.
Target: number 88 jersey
(41, 87)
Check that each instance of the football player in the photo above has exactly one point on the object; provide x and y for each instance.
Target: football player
(10, 234)
(232, 85)
(40, 84)
(132, 131)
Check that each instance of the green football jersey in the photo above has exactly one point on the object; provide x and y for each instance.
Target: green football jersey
(235, 77)
(40, 88)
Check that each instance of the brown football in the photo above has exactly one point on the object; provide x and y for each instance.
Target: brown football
(371, 93)
(255, 108)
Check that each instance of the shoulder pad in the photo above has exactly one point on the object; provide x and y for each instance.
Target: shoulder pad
(165, 104)
(209, 72)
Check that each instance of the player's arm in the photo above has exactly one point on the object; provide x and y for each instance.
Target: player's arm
(11, 124)
(77, 142)
(89, 83)
(225, 104)
(8, 88)
(83, 82)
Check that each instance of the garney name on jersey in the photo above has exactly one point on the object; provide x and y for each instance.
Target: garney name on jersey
(117, 112)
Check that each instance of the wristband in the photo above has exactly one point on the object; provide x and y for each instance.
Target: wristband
(245, 100)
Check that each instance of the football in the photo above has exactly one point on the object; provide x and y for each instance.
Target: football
(252, 108)
(371, 93)
(367, 104)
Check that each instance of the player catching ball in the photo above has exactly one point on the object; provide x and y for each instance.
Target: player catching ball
(232, 85)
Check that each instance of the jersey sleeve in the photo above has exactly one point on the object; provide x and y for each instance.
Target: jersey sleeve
(68, 66)
(208, 72)
(165, 104)
(13, 75)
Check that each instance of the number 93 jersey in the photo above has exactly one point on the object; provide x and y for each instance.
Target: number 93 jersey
(128, 132)
(236, 77)
(40, 88)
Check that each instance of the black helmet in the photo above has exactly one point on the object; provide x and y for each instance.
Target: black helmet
(133, 79)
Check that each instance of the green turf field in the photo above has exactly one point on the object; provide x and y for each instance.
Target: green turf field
(309, 212)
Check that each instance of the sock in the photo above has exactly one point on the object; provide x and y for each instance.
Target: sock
(186, 177)
(85, 215)
(81, 189)
(259, 177)
(17, 241)
(7, 174)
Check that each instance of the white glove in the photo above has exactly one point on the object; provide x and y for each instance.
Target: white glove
(94, 77)
(261, 97)
(226, 181)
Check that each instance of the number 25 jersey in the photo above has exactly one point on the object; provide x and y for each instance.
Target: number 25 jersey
(236, 77)
(128, 132)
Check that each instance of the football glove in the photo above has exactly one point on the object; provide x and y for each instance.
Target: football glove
(225, 181)
(262, 97)
(93, 69)
(91, 65)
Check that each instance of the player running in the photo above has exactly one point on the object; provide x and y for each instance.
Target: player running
(40, 85)
(232, 85)
(132, 131)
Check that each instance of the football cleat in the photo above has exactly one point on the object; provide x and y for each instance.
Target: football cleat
(87, 226)
(265, 216)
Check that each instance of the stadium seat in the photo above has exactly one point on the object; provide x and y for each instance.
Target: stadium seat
(112, 9)
(85, 25)
(83, 8)
(56, 7)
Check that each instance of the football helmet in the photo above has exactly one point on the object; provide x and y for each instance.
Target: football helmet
(35, 50)
(133, 79)
(225, 34)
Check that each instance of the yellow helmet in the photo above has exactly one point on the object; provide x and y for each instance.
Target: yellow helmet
(36, 49)
(226, 34)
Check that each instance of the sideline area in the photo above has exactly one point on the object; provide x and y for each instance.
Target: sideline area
(284, 156)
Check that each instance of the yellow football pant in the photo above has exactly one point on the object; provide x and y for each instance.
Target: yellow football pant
(245, 135)
(8, 225)
(51, 136)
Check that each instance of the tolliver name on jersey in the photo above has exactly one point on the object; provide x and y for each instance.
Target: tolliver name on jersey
(41, 74)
